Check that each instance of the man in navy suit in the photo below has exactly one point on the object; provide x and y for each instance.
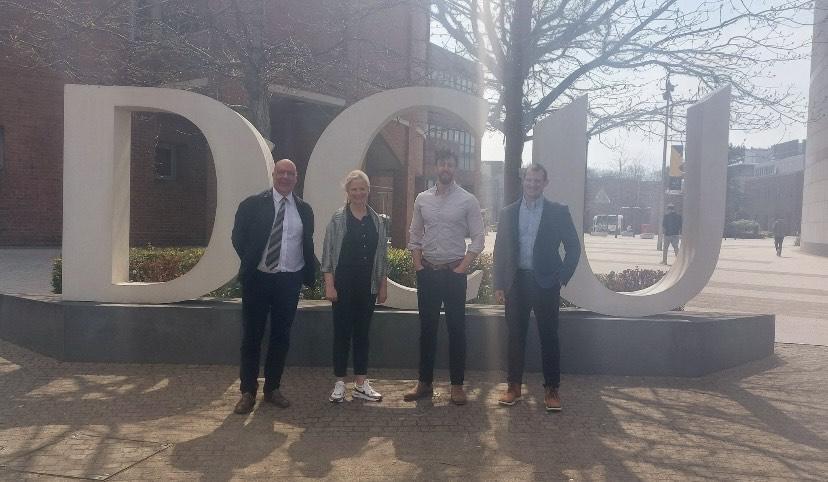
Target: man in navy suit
(528, 275)
(273, 236)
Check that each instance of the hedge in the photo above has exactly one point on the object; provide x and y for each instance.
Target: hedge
(743, 228)
(151, 264)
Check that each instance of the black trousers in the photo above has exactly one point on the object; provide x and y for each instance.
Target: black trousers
(436, 288)
(276, 294)
(777, 243)
(352, 314)
(525, 296)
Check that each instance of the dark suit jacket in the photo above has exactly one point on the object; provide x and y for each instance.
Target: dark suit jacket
(251, 230)
(555, 228)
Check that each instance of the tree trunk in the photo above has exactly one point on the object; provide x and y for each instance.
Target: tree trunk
(514, 137)
(256, 84)
(259, 104)
(514, 129)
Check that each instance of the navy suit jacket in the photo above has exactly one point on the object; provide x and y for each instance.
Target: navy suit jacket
(251, 230)
(555, 229)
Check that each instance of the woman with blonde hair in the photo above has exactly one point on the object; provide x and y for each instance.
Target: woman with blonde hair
(355, 267)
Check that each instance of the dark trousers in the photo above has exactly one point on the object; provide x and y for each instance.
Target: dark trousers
(276, 294)
(352, 314)
(435, 288)
(524, 296)
(777, 243)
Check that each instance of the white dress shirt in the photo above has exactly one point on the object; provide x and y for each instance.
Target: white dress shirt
(441, 223)
(291, 258)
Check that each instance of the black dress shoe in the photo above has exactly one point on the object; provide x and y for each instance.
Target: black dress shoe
(276, 398)
(245, 404)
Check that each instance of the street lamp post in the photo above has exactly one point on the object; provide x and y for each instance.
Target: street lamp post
(668, 97)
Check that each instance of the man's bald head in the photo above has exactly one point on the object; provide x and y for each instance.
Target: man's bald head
(284, 162)
(284, 176)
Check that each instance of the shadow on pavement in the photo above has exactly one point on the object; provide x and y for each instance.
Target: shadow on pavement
(764, 419)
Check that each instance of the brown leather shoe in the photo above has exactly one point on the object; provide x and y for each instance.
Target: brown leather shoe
(552, 400)
(422, 390)
(511, 395)
(458, 396)
(245, 404)
(276, 398)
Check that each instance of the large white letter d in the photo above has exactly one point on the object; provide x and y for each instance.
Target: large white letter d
(96, 190)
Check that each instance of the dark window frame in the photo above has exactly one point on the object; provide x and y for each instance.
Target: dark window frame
(2, 147)
(175, 154)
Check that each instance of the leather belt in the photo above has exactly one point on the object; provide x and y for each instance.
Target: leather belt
(437, 267)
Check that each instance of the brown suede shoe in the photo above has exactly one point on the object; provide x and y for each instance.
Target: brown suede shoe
(458, 396)
(276, 398)
(245, 404)
(552, 400)
(422, 390)
(511, 395)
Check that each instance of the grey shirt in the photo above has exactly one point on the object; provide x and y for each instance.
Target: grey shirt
(441, 223)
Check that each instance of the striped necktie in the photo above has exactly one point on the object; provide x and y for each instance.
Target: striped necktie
(274, 246)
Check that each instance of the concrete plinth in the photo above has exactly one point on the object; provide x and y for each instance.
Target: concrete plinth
(682, 344)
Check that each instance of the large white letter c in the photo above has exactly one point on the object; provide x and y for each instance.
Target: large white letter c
(344, 143)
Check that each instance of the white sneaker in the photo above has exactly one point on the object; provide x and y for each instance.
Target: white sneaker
(366, 392)
(338, 394)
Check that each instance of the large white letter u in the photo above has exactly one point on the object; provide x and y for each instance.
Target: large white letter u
(705, 183)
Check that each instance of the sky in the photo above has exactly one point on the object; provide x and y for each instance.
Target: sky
(648, 151)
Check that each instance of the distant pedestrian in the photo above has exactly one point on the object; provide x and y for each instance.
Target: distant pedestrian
(780, 230)
(355, 268)
(672, 232)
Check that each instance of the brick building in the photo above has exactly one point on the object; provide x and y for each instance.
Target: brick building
(766, 184)
(172, 177)
(445, 131)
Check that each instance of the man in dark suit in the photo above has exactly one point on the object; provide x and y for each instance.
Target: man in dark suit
(529, 273)
(273, 236)
(671, 223)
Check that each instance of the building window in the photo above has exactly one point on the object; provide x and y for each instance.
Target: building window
(166, 161)
(465, 144)
(2, 147)
(445, 79)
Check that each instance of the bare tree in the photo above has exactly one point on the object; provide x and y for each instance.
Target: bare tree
(636, 171)
(203, 45)
(540, 54)
(160, 42)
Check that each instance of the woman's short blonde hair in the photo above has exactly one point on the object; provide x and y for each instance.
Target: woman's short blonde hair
(353, 176)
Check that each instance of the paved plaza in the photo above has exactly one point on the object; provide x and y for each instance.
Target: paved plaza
(762, 421)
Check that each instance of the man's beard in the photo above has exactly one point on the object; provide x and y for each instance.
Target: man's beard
(445, 178)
